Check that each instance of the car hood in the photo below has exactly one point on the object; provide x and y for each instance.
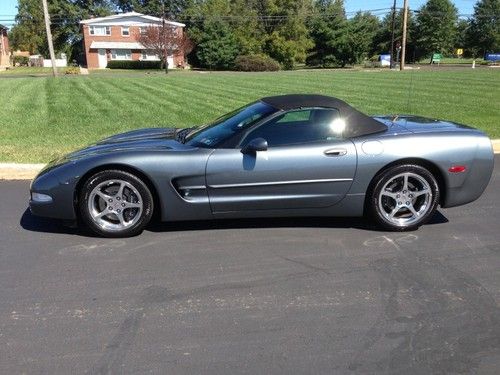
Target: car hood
(142, 139)
(159, 139)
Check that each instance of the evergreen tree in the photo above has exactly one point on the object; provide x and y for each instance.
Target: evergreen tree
(436, 27)
(361, 31)
(218, 47)
(329, 29)
(484, 31)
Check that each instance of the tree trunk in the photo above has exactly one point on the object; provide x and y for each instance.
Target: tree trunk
(166, 61)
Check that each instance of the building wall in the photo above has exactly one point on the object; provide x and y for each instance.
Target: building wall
(4, 48)
(92, 57)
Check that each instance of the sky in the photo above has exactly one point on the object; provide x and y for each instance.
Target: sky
(8, 8)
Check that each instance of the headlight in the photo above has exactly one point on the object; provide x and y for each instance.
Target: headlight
(42, 198)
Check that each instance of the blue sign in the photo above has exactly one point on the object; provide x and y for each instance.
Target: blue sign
(492, 57)
(385, 60)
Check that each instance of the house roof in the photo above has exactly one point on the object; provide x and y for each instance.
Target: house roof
(121, 19)
(117, 45)
(2, 27)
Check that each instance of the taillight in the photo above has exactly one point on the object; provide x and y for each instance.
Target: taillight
(457, 169)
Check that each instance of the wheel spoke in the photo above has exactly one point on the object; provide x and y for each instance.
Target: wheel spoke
(413, 211)
(405, 182)
(101, 214)
(120, 217)
(104, 196)
(120, 189)
(394, 212)
(132, 205)
(389, 194)
(421, 192)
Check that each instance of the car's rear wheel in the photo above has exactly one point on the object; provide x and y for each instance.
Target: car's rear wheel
(404, 197)
(115, 203)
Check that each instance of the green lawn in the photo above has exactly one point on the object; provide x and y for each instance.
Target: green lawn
(42, 117)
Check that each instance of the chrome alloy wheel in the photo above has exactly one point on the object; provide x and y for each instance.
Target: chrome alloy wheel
(405, 199)
(115, 205)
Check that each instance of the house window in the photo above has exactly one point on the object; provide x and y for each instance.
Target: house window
(121, 54)
(143, 30)
(125, 31)
(100, 30)
(149, 55)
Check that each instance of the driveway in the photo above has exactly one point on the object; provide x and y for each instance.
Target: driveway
(308, 296)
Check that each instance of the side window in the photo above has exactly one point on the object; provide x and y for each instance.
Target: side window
(300, 126)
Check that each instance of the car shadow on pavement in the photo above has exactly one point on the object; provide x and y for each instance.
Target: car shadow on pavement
(46, 225)
(302, 222)
(39, 224)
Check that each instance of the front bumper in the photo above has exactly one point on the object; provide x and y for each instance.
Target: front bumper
(61, 192)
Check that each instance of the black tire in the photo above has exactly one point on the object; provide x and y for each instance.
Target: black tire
(134, 192)
(409, 210)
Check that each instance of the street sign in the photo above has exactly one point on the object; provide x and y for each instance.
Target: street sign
(436, 58)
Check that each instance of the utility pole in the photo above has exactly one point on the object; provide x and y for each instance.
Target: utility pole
(49, 36)
(393, 30)
(403, 44)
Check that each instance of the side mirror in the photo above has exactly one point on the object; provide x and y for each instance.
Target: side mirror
(257, 144)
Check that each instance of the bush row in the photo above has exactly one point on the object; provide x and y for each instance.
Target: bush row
(132, 64)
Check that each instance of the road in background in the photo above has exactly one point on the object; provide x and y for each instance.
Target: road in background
(252, 296)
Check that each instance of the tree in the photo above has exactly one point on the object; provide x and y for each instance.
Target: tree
(165, 41)
(217, 47)
(436, 27)
(288, 39)
(484, 31)
(170, 8)
(361, 31)
(329, 29)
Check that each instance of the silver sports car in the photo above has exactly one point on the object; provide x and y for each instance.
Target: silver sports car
(291, 155)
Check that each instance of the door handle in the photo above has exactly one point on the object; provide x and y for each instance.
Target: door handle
(336, 152)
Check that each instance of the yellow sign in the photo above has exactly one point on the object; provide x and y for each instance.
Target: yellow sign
(460, 51)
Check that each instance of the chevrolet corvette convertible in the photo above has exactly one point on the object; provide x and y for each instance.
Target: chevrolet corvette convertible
(281, 156)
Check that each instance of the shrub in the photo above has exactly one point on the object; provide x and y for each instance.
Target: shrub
(256, 63)
(134, 64)
(20, 60)
(72, 70)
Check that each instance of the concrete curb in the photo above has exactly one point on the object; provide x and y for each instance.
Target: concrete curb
(14, 171)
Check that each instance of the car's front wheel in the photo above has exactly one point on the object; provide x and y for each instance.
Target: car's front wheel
(404, 197)
(114, 203)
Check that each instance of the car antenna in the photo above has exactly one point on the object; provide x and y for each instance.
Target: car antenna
(410, 92)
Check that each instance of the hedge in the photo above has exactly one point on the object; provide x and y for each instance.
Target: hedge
(21, 60)
(134, 64)
(256, 63)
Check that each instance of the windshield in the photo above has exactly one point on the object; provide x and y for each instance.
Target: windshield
(228, 125)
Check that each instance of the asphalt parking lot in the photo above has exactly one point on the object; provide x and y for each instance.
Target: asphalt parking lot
(308, 296)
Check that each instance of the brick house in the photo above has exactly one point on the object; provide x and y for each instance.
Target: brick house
(4, 47)
(117, 38)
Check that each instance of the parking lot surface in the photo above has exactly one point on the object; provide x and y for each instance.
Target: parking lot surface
(305, 296)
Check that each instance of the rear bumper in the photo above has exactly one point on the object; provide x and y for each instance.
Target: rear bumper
(475, 182)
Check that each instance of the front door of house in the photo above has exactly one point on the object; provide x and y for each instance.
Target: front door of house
(103, 60)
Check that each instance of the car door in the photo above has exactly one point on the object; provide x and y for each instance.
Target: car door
(307, 164)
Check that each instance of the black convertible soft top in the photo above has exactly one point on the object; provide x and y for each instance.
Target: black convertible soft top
(357, 123)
